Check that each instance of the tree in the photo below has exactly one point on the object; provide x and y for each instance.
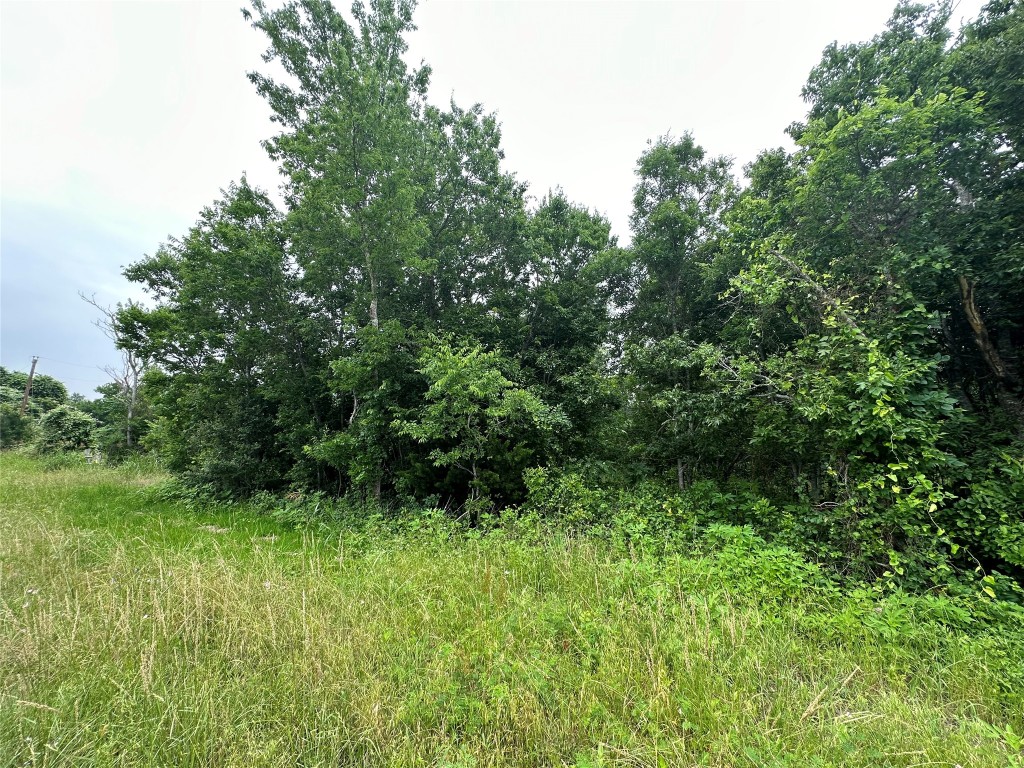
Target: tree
(221, 340)
(904, 59)
(349, 148)
(378, 383)
(843, 336)
(128, 377)
(877, 271)
(678, 207)
(678, 204)
(916, 166)
(557, 324)
(389, 205)
(119, 414)
(472, 412)
(47, 392)
(988, 59)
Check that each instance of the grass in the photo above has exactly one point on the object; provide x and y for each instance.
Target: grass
(139, 632)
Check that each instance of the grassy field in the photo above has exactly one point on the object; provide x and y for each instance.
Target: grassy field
(135, 631)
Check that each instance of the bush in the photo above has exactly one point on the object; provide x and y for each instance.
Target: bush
(989, 516)
(14, 428)
(65, 428)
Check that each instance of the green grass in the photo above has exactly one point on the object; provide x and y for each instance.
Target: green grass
(140, 632)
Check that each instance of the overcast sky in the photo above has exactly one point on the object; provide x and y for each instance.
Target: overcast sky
(120, 121)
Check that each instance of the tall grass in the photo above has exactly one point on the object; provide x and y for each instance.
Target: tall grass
(135, 632)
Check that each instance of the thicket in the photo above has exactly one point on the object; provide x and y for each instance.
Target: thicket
(46, 395)
(55, 422)
(829, 352)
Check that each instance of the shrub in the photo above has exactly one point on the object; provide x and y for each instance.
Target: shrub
(14, 427)
(65, 428)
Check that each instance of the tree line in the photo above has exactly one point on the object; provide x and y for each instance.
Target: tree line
(832, 341)
(41, 413)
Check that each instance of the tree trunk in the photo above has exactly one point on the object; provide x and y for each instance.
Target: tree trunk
(132, 398)
(980, 331)
(374, 321)
(1006, 381)
(474, 511)
(373, 305)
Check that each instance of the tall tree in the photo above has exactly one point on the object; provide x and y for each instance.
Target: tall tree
(127, 378)
(677, 220)
(217, 333)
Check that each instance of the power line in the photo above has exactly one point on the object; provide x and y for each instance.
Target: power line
(82, 381)
(65, 362)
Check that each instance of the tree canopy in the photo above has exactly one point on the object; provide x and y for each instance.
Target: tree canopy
(838, 335)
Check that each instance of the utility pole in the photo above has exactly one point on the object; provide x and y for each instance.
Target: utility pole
(28, 384)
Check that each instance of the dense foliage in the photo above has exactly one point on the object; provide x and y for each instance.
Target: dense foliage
(65, 428)
(115, 424)
(19, 426)
(46, 392)
(835, 346)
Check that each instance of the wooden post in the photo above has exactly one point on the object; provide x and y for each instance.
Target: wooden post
(28, 385)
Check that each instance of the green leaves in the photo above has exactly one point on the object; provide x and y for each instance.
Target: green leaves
(65, 428)
(678, 204)
(841, 338)
(471, 409)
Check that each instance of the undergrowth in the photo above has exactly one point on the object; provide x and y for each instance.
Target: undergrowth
(144, 625)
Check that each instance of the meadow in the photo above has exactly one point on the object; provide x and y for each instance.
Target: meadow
(141, 630)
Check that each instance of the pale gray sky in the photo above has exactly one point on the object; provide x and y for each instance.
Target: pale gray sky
(119, 121)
